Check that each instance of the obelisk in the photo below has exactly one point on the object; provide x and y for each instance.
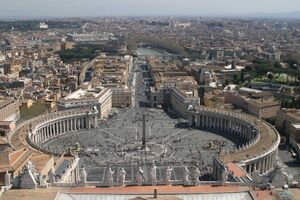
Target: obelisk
(144, 132)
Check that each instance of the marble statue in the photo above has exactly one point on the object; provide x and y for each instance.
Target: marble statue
(278, 178)
(42, 180)
(83, 175)
(122, 176)
(290, 179)
(197, 174)
(191, 108)
(225, 175)
(275, 178)
(29, 177)
(169, 171)
(256, 177)
(95, 109)
(186, 173)
(153, 174)
(110, 177)
(7, 179)
(140, 176)
(29, 165)
(52, 176)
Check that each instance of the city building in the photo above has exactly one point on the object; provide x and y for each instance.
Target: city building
(100, 97)
(285, 118)
(43, 25)
(190, 146)
(121, 97)
(113, 72)
(9, 114)
(171, 86)
(173, 98)
(294, 138)
(253, 102)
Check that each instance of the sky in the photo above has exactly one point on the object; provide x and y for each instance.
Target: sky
(85, 8)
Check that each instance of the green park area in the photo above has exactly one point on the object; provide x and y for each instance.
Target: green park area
(273, 72)
(80, 52)
(282, 78)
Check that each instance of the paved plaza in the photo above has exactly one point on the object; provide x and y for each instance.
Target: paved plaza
(117, 141)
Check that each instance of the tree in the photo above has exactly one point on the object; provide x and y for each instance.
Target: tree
(277, 65)
(242, 76)
(235, 79)
(226, 83)
(270, 75)
(2, 132)
(271, 120)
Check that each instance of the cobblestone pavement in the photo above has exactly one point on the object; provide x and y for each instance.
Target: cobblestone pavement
(117, 141)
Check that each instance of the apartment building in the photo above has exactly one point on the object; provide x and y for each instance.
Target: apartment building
(253, 102)
(172, 87)
(100, 97)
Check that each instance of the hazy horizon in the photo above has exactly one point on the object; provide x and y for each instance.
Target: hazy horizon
(98, 8)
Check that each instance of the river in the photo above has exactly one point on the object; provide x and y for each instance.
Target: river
(143, 51)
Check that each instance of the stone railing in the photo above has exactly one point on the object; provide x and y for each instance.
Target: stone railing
(44, 119)
(247, 119)
(41, 149)
(147, 183)
(273, 148)
(50, 118)
(70, 169)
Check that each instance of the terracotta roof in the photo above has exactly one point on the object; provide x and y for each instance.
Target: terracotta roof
(161, 189)
(16, 160)
(237, 171)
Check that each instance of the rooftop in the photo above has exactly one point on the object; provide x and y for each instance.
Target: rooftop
(297, 126)
(141, 192)
(86, 94)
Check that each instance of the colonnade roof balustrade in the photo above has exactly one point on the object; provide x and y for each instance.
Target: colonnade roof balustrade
(268, 142)
(18, 137)
(58, 115)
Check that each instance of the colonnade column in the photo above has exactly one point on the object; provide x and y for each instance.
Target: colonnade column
(56, 127)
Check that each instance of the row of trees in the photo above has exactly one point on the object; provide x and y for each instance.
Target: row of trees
(168, 45)
(289, 103)
(34, 25)
(79, 53)
(262, 67)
